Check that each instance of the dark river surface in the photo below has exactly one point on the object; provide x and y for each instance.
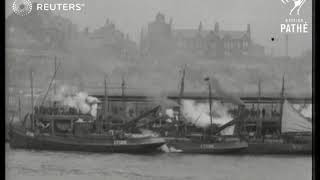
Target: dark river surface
(49, 165)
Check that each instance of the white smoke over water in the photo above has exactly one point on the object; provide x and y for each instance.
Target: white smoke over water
(93, 111)
(170, 113)
(220, 91)
(147, 132)
(169, 149)
(199, 114)
(71, 97)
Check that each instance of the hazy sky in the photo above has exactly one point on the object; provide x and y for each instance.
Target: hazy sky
(130, 16)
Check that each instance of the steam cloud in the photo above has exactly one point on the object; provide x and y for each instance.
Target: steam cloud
(69, 96)
(170, 113)
(223, 93)
(199, 114)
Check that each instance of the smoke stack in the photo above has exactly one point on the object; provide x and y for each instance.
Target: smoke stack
(86, 31)
(216, 27)
(200, 27)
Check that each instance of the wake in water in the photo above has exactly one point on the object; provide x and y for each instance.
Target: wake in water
(167, 149)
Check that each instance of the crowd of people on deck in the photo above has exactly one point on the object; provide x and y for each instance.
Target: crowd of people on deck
(262, 112)
(257, 112)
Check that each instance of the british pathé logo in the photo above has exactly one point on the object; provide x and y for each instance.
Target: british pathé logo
(297, 4)
(294, 24)
(22, 7)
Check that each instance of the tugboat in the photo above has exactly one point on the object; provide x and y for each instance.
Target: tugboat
(207, 142)
(53, 128)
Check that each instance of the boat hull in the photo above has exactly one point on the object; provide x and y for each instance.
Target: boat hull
(278, 148)
(241, 147)
(199, 147)
(19, 139)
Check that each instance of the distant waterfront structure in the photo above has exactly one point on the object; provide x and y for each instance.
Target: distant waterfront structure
(40, 30)
(158, 38)
(162, 37)
(114, 40)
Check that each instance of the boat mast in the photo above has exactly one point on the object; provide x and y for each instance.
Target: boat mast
(55, 68)
(181, 95)
(182, 85)
(210, 103)
(259, 120)
(32, 105)
(259, 92)
(50, 84)
(282, 97)
(106, 107)
(210, 106)
(123, 94)
(19, 101)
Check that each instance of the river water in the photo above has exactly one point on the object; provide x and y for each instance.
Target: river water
(40, 165)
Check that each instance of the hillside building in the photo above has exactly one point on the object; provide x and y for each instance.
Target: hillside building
(161, 37)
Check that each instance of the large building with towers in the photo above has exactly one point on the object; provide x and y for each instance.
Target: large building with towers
(161, 37)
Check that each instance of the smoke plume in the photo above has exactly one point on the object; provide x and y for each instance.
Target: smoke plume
(199, 114)
(170, 113)
(69, 96)
(223, 93)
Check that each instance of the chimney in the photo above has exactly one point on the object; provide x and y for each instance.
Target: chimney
(141, 35)
(216, 27)
(170, 24)
(86, 31)
(249, 32)
(107, 22)
(141, 41)
(200, 27)
(248, 28)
